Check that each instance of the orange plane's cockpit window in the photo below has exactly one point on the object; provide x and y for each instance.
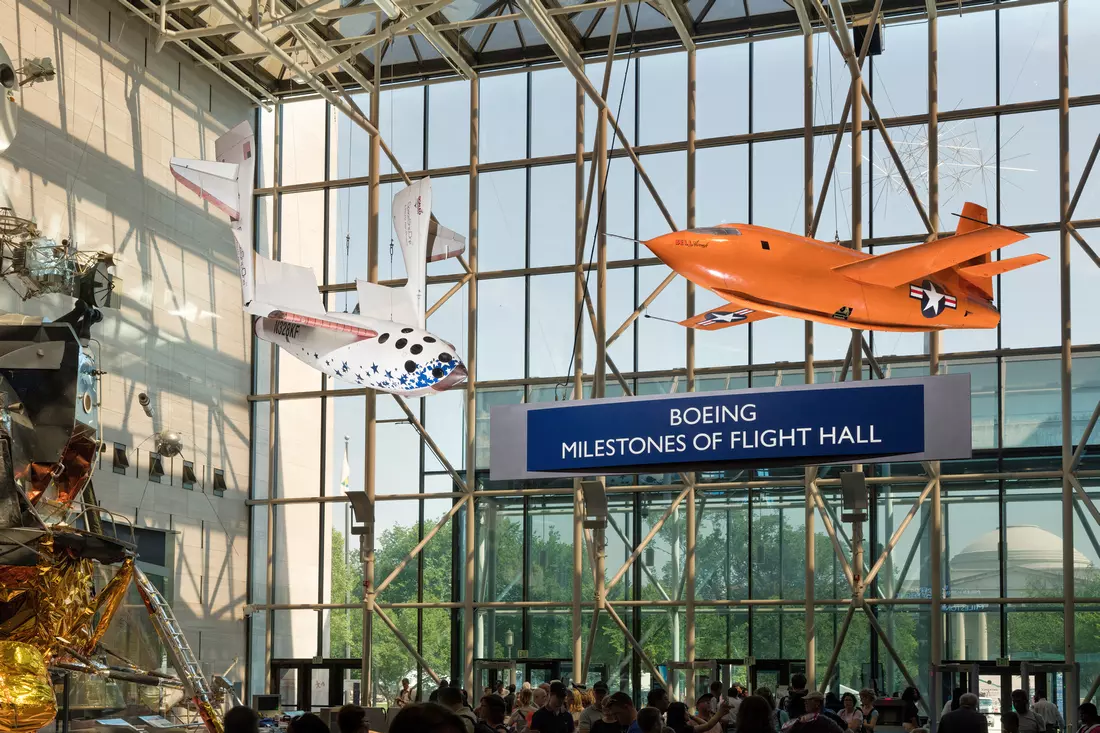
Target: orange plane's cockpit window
(720, 231)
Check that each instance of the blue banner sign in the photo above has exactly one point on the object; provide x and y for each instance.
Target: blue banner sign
(770, 426)
(865, 421)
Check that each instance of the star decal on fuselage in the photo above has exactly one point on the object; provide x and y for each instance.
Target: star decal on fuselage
(933, 300)
(715, 317)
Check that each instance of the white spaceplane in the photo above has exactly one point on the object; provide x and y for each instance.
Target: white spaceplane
(385, 346)
(8, 111)
(12, 78)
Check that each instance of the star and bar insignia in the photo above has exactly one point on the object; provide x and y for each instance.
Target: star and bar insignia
(716, 317)
(932, 300)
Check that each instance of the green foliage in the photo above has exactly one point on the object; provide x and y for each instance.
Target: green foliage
(390, 658)
(345, 625)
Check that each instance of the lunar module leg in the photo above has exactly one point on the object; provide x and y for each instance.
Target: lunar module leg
(183, 659)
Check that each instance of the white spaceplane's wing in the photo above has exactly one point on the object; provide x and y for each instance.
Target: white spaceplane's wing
(385, 302)
(281, 286)
(412, 213)
(227, 184)
(213, 182)
(444, 243)
(9, 113)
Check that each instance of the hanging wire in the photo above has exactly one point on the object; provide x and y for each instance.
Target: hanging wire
(347, 216)
(836, 178)
(390, 192)
(600, 203)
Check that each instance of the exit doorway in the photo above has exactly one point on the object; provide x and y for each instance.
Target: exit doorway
(752, 674)
(993, 684)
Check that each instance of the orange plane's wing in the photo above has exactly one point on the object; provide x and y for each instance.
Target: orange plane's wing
(912, 263)
(725, 316)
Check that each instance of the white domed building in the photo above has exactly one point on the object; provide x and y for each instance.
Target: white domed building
(1033, 567)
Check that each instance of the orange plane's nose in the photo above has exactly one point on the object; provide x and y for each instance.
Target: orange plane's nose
(668, 248)
(659, 245)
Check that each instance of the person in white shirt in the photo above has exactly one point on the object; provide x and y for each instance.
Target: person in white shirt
(593, 712)
(851, 714)
(1029, 721)
(953, 703)
(1049, 712)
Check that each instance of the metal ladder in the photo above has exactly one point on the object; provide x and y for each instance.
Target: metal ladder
(183, 659)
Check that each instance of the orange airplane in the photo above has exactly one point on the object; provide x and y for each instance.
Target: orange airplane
(946, 283)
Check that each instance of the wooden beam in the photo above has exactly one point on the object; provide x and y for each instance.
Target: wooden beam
(567, 28)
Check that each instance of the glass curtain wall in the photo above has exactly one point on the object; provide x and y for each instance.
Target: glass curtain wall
(1002, 563)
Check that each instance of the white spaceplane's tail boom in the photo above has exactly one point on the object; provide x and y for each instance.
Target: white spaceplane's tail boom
(228, 184)
(412, 212)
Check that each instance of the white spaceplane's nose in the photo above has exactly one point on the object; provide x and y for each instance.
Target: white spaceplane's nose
(457, 376)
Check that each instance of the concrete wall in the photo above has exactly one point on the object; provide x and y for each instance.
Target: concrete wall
(91, 162)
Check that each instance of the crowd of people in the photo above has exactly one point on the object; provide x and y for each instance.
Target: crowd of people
(960, 714)
(555, 707)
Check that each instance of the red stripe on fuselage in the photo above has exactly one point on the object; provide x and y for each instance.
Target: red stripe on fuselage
(201, 192)
(363, 333)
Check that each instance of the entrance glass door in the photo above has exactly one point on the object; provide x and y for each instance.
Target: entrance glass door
(303, 685)
(598, 673)
(1049, 680)
(288, 685)
(765, 677)
(995, 685)
(703, 673)
(537, 671)
(490, 673)
(307, 687)
(774, 674)
(731, 671)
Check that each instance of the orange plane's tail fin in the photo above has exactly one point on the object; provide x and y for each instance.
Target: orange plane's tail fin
(973, 217)
(971, 245)
(979, 271)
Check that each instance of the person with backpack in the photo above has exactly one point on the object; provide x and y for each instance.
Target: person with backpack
(779, 716)
(867, 707)
(525, 707)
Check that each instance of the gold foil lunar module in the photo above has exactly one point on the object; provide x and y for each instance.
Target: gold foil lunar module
(48, 615)
(52, 610)
(26, 695)
(51, 615)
